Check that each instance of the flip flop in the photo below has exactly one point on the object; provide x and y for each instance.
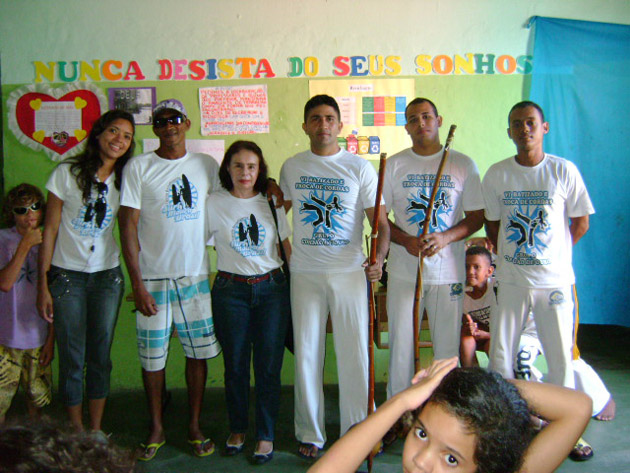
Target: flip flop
(146, 456)
(313, 449)
(199, 447)
(581, 451)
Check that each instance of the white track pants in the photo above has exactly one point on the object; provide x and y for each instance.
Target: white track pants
(313, 296)
(444, 309)
(553, 314)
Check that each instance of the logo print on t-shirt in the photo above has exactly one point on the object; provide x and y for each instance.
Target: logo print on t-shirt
(248, 237)
(525, 228)
(95, 216)
(27, 272)
(181, 200)
(419, 205)
(321, 212)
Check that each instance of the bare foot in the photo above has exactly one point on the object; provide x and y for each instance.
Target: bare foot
(149, 449)
(202, 446)
(308, 451)
(609, 410)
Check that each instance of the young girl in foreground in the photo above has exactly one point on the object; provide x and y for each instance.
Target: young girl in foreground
(472, 421)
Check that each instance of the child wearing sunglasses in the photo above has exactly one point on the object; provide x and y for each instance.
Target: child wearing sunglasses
(26, 340)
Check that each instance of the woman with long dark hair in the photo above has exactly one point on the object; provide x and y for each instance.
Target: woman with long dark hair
(80, 285)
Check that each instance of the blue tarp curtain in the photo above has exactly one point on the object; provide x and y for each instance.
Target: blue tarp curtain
(581, 78)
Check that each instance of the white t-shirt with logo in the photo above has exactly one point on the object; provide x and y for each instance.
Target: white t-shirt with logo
(409, 179)
(85, 241)
(329, 195)
(534, 205)
(480, 309)
(244, 233)
(171, 196)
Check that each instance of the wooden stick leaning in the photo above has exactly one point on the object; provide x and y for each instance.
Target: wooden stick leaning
(425, 229)
(371, 291)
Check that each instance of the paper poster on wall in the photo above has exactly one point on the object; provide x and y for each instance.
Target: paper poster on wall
(55, 120)
(372, 112)
(139, 101)
(215, 148)
(234, 110)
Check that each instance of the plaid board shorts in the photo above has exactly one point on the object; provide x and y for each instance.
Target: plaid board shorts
(185, 303)
(21, 367)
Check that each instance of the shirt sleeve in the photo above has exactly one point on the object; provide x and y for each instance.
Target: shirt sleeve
(210, 220)
(58, 182)
(215, 182)
(368, 185)
(131, 188)
(472, 195)
(491, 201)
(388, 188)
(578, 201)
(5, 253)
(283, 224)
(284, 184)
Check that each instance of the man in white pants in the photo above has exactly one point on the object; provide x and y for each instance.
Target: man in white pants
(537, 208)
(457, 213)
(330, 191)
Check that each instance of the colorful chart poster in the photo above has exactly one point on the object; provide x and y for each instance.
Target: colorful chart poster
(234, 110)
(372, 112)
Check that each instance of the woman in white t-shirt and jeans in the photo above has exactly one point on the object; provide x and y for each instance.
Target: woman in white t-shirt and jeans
(80, 285)
(250, 296)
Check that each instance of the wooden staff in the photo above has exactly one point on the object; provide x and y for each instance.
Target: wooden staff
(425, 229)
(371, 291)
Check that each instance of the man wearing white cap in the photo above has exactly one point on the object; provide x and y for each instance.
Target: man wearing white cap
(162, 233)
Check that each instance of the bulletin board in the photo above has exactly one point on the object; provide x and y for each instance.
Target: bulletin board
(372, 112)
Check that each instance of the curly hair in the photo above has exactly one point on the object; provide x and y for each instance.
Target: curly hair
(20, 196)
(85, 166)
(493, 410)
(43, 448)
(224, 175)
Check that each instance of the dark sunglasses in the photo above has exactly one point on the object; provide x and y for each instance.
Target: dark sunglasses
(23, 210)
(102, 188)
(174, 120)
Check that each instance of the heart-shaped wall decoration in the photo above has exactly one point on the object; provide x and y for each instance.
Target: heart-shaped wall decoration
(55, 120)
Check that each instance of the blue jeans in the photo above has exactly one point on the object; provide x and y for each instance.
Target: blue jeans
(85, 309)
(252, 316)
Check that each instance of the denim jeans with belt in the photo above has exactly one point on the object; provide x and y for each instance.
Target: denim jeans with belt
(85, 309)
(252, 315)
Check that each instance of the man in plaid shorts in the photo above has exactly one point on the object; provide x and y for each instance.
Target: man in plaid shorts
(162, 232)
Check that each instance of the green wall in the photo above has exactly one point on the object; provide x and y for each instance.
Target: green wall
(477, 104)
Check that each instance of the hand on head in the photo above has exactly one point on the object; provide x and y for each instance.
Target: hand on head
(425, 381)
